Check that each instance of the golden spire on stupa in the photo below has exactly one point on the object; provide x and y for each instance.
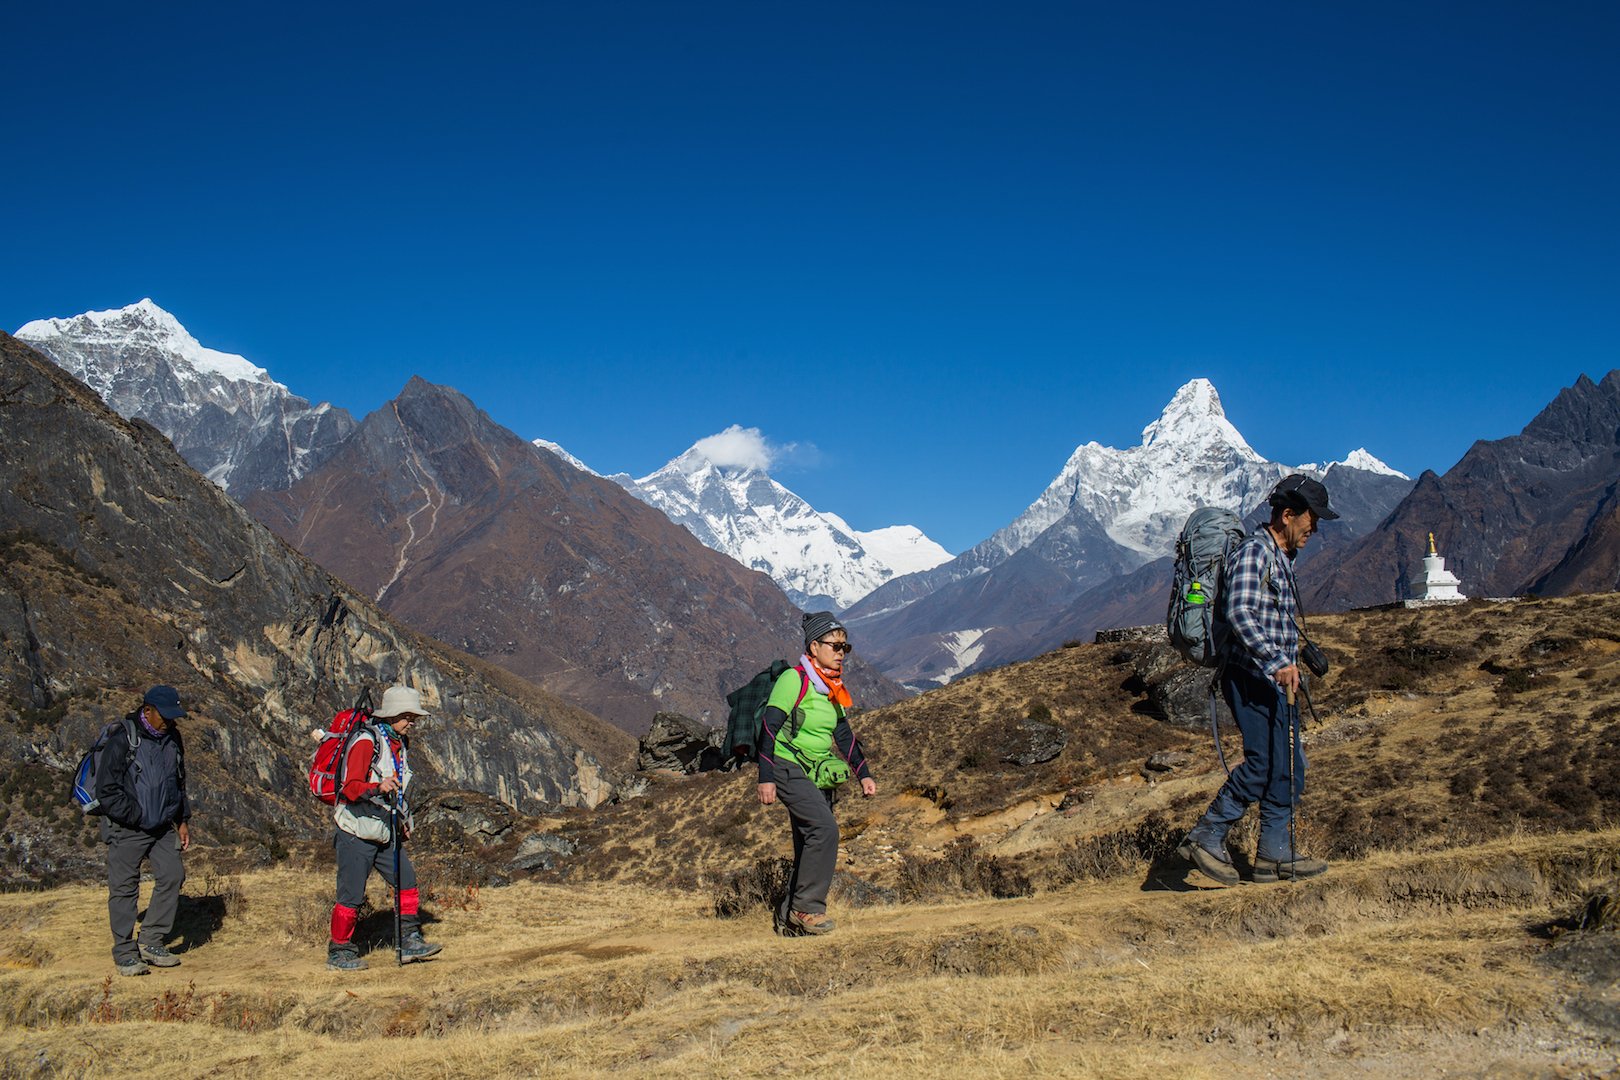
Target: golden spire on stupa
(1431, 545)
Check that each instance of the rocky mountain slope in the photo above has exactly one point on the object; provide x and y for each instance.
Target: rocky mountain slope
(462, 529)
(124, 567)
(1107, 513)
(226, 416)
(1536, 512)
(721, 491)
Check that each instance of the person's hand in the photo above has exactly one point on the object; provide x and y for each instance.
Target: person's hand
(184, 830)
(767, 794)
(1288, 679)
(868, 787)
(389, 785)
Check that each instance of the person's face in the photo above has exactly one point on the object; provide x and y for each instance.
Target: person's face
(154, 719)
(402, 723)
(1298, 527)
(829, 651)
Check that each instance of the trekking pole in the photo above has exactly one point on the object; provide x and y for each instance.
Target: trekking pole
(1293, 792)
(399, 937)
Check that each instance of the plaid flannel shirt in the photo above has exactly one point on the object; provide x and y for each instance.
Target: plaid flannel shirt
(1261, 610)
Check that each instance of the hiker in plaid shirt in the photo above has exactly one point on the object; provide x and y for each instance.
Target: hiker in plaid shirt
(1259, 674)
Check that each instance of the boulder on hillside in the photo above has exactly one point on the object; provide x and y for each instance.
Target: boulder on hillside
(680, 744)
(1176, 691)
(1154, 660)
(452, 815)
(540, 851)
(1182, 698)
(1031, 742)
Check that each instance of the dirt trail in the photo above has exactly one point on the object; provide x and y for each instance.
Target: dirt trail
(1401, 966)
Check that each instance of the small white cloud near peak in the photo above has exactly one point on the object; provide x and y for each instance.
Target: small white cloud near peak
(736, 447)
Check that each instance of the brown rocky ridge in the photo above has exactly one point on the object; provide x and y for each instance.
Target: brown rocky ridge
(460, 528)
(123, 567)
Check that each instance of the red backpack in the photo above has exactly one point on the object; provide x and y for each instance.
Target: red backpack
(326, 768)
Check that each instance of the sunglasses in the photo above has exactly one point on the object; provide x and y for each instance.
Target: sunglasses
(838, 646)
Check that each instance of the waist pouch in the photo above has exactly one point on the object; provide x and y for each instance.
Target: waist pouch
(828, 772)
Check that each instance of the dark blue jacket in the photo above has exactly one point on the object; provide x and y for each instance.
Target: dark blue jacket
(147, 789)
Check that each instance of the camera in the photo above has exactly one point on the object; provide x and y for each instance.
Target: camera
(1315, 661)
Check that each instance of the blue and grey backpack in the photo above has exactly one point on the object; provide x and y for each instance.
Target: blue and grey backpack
(1210, 534)
(84, 777)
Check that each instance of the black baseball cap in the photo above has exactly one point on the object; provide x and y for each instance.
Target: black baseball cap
(166, 700)
(1297, 491)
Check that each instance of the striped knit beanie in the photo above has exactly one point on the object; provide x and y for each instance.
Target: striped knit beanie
(818, 624)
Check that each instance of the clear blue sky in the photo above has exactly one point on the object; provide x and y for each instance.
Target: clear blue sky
(942, 243)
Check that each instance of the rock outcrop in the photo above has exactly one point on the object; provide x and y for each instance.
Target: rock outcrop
(679, 743)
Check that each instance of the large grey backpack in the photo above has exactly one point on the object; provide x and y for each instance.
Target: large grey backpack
(1193, 620)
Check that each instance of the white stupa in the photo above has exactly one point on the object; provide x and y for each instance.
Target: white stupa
(1437, 585)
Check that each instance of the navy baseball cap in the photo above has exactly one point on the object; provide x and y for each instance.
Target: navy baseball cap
(1299, 492)
(166, 700)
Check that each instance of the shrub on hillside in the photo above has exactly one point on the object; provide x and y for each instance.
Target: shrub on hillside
(1121, 852)
(961, 869)
(753, 888)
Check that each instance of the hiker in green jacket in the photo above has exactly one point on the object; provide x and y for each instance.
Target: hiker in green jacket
(807, 749)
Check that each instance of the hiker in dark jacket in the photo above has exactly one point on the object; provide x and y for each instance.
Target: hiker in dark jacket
(142, 791)
(1259, 674)
(788, 750)
(376, 775)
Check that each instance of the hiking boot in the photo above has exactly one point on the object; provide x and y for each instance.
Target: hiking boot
(805, 922)
(344, 958)
(134, 967)
(1267, 870)
(158, 956)
(414, 948)
(1215, 865)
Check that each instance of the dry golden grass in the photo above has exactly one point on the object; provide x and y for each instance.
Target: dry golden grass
(1465, 765)
(1395, 965)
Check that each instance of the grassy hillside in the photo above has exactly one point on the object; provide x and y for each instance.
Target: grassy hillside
(1399, 965)
(995, 919)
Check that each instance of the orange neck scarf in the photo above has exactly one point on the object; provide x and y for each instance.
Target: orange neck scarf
(835, 684)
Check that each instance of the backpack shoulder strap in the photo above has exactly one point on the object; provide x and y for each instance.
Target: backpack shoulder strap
(804, 685)
(132, 740)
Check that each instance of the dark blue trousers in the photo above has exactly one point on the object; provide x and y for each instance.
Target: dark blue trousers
(1264, 718)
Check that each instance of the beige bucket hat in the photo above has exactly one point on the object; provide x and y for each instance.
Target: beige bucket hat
(398, 700)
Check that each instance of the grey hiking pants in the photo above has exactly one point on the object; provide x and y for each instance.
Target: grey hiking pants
(126, 848)
(357, 858)
(815, 840)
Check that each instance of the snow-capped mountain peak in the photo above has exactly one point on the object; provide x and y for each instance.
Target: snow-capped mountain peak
(1194, 414)
(145, 324)
(225, 415)
(720, 491)
(1359, 458)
